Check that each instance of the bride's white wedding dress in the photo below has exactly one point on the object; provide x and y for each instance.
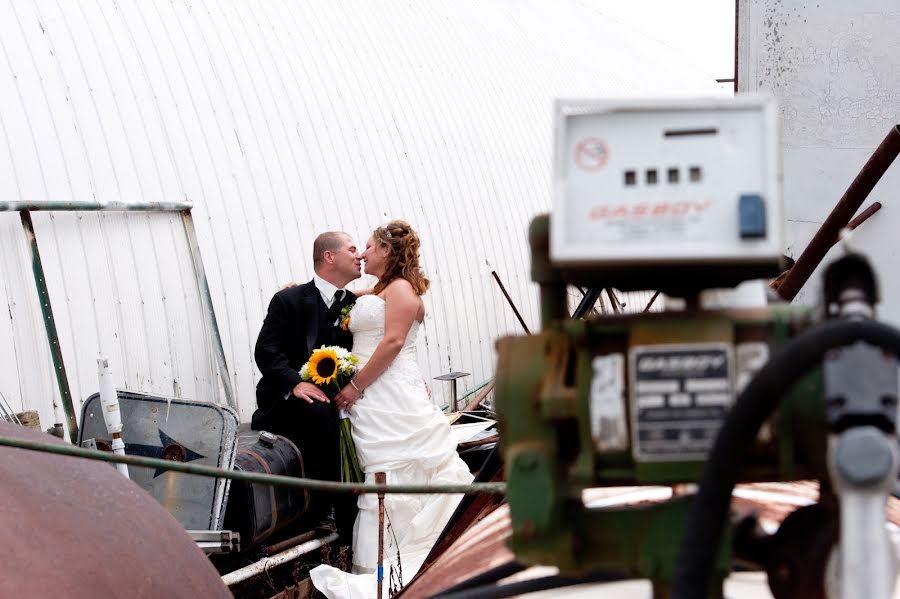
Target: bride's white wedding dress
(397, 430)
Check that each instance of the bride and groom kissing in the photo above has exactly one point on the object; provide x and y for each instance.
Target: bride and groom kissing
(396, 428)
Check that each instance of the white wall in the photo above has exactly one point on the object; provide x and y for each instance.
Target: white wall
(834, 67)
(278, 120)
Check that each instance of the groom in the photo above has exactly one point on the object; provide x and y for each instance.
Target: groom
(299, 320)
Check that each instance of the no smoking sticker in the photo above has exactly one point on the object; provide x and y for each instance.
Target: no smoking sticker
(591, 154)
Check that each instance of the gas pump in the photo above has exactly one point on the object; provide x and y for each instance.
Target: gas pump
(683, 196)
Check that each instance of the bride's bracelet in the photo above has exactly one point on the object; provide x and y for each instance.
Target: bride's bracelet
(360, 391)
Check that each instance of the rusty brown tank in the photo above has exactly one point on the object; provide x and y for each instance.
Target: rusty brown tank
(76, 528)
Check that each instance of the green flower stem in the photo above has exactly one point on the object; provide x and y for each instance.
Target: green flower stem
(350, 470)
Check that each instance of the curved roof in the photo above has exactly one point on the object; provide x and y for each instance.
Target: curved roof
(279, 120)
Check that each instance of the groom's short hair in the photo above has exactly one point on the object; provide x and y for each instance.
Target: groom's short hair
(329, 241)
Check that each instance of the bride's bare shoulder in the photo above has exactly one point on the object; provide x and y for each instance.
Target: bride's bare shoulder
(400, 292)
(400, 287)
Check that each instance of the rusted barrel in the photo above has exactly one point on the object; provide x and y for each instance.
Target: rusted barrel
(77, 528)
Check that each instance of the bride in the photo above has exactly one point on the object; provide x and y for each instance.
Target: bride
(396, 428)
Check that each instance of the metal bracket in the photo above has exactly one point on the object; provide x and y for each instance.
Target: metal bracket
(860, 388)
(452, 376)
(216, 541)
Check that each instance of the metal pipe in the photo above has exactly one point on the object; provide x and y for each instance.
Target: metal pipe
(476, 388)
(208, 309)
(380, 479)
(232, 578)
(843, 211)
(866, 558)
(509, 300)
(737, 50)
(40, 282)
(650, 303)
(277, 480)
(112, 415)
(613, 300)
(472, 405)
(454, 403)
(95, 206)
(301, 538)
(864, 215)
(7, 412)
(479, 442)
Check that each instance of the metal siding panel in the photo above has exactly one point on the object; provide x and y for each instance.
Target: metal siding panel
(833, 69)
(212, 182)
(237, 285)
(280, 120)
(26, 372)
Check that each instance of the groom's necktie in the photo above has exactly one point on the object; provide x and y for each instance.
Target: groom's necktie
(337, 303)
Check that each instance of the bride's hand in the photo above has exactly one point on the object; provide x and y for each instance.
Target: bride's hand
(347, 398)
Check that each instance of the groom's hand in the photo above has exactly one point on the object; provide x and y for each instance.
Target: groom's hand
(309, 393)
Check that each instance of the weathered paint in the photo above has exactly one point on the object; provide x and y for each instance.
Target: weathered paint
(832, 66)
(59, 367)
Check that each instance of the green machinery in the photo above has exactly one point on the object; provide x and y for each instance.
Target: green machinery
(715, 397)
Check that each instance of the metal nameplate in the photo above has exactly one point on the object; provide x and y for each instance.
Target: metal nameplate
(679, 395)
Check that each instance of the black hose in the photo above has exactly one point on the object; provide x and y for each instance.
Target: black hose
(709, 509)
(499, 591)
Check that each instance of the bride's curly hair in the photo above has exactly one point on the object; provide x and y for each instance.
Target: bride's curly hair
(403, 261)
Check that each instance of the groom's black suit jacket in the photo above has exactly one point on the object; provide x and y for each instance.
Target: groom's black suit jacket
(297, 322)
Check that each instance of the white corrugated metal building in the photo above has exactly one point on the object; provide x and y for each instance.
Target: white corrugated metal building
(279, 120)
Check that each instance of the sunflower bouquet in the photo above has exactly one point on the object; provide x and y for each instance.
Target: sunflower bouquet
(330, 368)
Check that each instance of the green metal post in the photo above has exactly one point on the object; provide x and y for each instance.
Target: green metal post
(50, 324)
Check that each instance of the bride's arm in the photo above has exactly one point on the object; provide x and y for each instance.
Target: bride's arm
(401, 307)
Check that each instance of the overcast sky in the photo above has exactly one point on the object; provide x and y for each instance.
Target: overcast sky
(700, 30)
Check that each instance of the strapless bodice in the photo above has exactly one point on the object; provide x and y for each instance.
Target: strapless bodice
(367, 326)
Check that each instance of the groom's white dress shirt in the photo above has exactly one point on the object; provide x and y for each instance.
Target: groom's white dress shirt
(328, 291)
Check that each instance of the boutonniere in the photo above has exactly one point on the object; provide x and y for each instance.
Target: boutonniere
(343, 319)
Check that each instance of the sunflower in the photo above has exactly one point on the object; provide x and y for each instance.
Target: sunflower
(323, 366)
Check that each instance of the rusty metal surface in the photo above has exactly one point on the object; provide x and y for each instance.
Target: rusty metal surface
(843, 211)
(481, 548)
(863, 216)
(77, 528)
(484, 545)
(792, 494)
(477, 508)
